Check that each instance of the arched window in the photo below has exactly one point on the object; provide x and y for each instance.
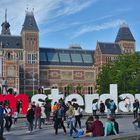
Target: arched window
(9, 56)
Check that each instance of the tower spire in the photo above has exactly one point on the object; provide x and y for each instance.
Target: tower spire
(5, 26)
(6, 15)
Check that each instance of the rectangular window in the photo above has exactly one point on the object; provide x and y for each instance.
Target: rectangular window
(87, 58)
(90, 90)
(76, 58)
(42, 56)
(32, 58)
(64, 57)
(53, 57)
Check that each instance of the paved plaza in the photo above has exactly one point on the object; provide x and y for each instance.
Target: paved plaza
(19, 131)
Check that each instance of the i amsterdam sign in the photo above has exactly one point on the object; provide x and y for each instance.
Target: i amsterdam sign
(85, 101)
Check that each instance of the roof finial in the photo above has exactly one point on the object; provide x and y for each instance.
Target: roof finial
(124, 24)
(6, 15)
(27, 7)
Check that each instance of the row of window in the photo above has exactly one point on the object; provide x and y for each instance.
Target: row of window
(32, 58)
(128, 51)
(66, 57)
(14, 55)
(109, 58)
(89, 90)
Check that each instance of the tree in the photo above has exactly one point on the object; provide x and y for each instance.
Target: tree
(69, 89)
(125, 72)
(79, 88)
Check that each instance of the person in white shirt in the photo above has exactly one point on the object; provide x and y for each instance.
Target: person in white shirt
(8, 117)
(77, 111)
(43, 115)
(94, 108)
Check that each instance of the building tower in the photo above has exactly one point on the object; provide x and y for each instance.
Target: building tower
(125, 39)
(9, 47)
(5, 26)
(30, 42)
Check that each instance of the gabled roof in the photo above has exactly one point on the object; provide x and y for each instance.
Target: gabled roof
(66, 57)
(125, 34)
(30, 23)
(11, 42)
(109, 48)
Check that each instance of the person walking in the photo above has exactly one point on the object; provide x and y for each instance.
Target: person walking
(59, 118)
(102, 108)
(137, 126)
(113, 108)
(48, 111)
(135, 108)
(15, 116)
(37, 112)
(30, 118)
(43, 114)
(8, 117)
(71, 118)
(94, 108)
(77, 111)
(1, 118)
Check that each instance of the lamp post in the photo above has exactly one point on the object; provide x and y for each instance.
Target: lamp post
(33, 83)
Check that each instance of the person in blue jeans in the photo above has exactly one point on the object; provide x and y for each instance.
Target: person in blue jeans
(71, 118)
(59, 119)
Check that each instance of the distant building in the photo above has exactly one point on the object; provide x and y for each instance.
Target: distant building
(105, 51)
(26, 66)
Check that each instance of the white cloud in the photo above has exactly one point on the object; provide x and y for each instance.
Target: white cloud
(45, 10)
(103, 26)
(123, 9)
(64, 25)
(74, 6)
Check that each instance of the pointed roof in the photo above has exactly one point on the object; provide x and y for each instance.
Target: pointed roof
(109, 48)
(5, 26)
(124, 33)
(10, 42)
(30, 22)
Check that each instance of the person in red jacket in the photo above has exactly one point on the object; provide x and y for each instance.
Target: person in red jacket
(97, 127)
(37, 112)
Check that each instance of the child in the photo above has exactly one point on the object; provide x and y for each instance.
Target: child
(15, 117)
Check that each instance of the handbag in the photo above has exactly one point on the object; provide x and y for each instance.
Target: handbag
(80, 115)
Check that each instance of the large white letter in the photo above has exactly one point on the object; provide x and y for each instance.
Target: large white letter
(55, 96)
(122, 103)
(113, 94)
(38, 97)
(88, 102)
(137, 96)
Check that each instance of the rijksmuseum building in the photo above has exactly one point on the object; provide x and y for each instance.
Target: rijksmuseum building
(26, 66)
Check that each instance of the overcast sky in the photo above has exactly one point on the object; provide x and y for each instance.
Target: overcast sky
(66, 22)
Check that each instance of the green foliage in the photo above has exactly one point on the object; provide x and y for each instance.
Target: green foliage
(125, 72)
(79, 89)
(69, 89)
(47, 92)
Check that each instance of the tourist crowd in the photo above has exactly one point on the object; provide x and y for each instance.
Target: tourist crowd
(70, 114)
